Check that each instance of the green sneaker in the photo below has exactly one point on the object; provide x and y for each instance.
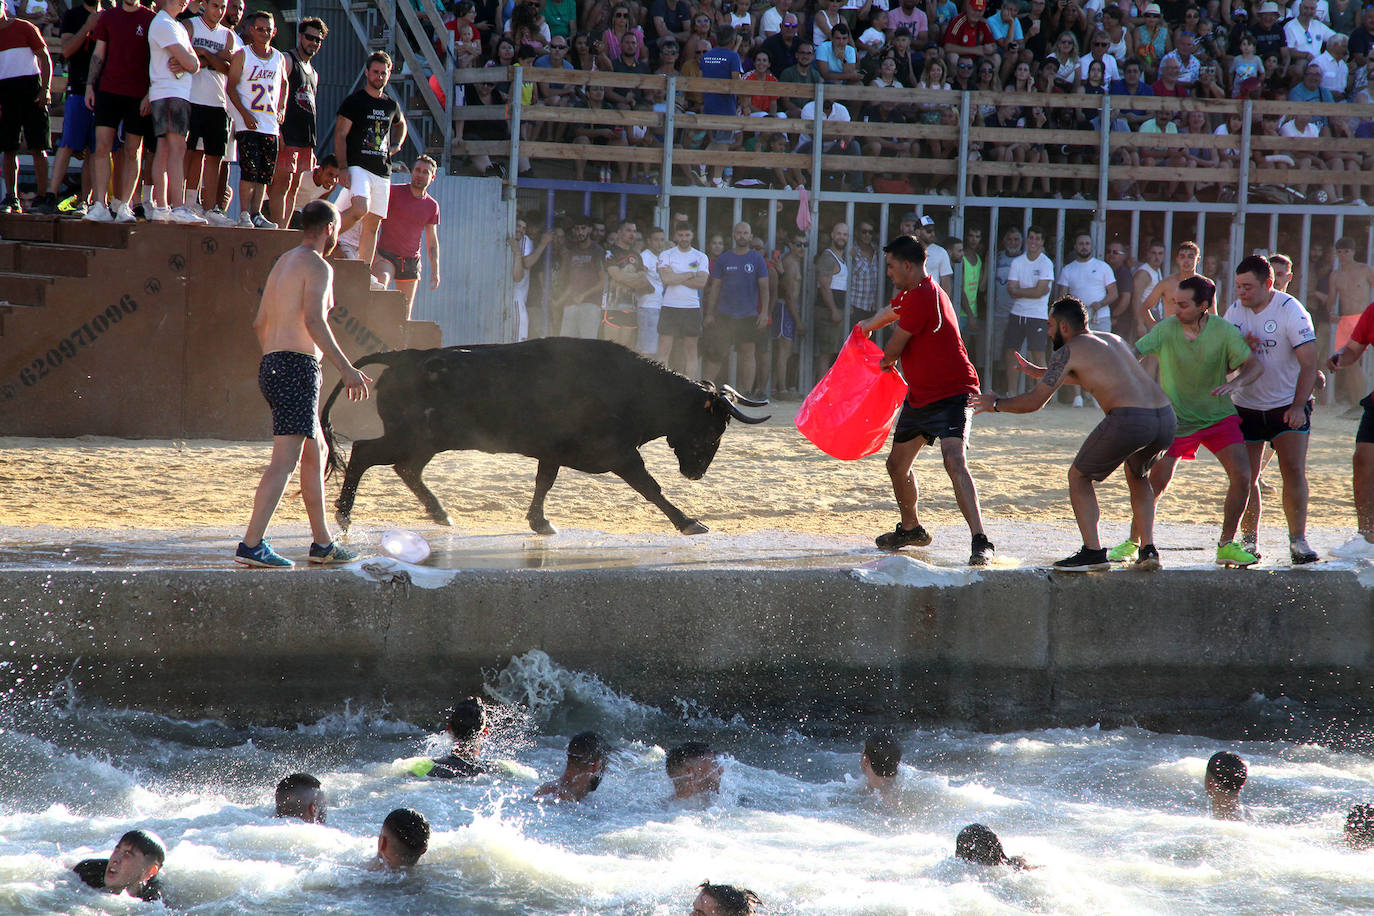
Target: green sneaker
(331, 553)
(1126, 550)
(1234, 555)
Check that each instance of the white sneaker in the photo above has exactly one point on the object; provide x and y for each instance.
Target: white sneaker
(262, 222)
(245, 220)
(1078, 400)
(188, 216)
(99, 213)
(376, 284)
(159, 214)
(217, 217)
(124, 214)
(195, 207)
(1357, 548)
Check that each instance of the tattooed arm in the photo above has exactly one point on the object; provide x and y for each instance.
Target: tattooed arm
(1055, 373)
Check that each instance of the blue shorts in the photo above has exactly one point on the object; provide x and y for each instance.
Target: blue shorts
(78, 125)
(290, 383)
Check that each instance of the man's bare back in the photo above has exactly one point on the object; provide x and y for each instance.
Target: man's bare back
(299, 293)
(1107, 368)
(1352, 289)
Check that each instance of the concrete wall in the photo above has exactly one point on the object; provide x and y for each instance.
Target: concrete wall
(1016, 649)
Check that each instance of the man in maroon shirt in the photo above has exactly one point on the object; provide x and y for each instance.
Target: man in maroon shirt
(411, 213)
(940, 380)
(1168, 85)
(117, 91)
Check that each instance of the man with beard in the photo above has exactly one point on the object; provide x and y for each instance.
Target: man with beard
(1138, 428)
(411, 215)
(296, 157)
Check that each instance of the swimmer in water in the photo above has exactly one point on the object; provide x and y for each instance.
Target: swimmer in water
(1359, 827)
(467, 726)
(586, 764)
(300, 796)
(403, 839)
(881, 756)
(977, 844)
(131, 869)
(694, 770)
(724, 900)
(1226, 774)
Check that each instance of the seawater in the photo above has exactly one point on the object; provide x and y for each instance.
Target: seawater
(1115, 820)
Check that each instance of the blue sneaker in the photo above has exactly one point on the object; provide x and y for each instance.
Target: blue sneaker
(330, 553)
(261, 555)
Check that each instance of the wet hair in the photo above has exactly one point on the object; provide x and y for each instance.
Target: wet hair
(907, 248)
(329, 162)
(317, 215)
(1359, 826)
(148, 843)
(1070, 311)
(295, 794)
(1203, 291)
(378, 57)
(1254, 264)
(410, 830)
(586, 748)
(312, 22)
(884, 752)
(684, 753)
(468, 718)
(1188, 246)
(977, 843)
(1227, 770)
(731, 900)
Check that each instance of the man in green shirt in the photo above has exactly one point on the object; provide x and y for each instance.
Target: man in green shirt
(1195, 351)
(561, 17)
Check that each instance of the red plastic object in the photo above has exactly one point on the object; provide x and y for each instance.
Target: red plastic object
(850, 412)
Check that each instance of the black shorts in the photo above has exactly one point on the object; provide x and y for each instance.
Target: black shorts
(290, 383)
(937, 420)
(1136, 436)
(1268, 425)
(112, 110)
(210, 129)
(406, 268)
(257, 156)
(1366, 431)
(727, 331)
(676, 322)
(1032, 332)
(20, 114)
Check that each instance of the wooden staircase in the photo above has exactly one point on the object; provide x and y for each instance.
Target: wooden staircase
(144, 330)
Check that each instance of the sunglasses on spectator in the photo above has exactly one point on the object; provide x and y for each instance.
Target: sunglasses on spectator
(622, 16)
(558, 47)
(314, 38)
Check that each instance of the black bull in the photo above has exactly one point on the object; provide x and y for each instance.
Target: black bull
(583, 404)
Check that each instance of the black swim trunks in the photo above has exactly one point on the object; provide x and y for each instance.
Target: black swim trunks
(290, 382)
(406, 268)
(937, 420)
(1137, 436)
(1268, 425)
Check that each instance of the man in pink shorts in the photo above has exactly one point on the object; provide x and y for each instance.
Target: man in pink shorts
(1195, 352)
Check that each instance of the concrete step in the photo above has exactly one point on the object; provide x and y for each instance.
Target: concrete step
(24, 289)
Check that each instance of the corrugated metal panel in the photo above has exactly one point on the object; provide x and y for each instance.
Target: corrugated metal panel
(339, 65)
(475, 302)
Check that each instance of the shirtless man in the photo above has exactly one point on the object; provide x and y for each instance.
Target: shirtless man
(1163, 293)
(1138, 429)
(587, 757)
(1352, 290)
(293, 329)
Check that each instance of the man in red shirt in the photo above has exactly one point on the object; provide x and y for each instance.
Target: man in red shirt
(411, 213)
(940, 380)
(968, 35)
(25, 74)
(117, 91)
(1361, 546)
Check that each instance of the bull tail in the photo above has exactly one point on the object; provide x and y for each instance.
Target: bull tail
(332, 461)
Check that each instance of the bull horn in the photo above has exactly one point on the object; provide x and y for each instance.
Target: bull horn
(744, 417)
(737, 398)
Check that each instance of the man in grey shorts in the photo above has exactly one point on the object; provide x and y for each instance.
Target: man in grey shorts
(1138, 428)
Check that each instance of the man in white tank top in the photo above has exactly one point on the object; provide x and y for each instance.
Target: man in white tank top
(257, 92)
(832, 283)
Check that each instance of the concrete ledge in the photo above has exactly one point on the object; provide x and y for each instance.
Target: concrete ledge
(1018, 648)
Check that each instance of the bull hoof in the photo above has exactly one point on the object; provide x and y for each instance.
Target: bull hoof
(342, 520)
(443, 519)
(694, 527)
(542, 526)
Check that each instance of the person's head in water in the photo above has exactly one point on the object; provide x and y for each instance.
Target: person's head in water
(136, 860)
(978, 844)
(1359, 827)
(693, 768)
(403, 839)
(724, 900)
(467, 724)
(906, 261)
(1068, 319)
(1225, 778)
(587, 755)
(881, 757)
(300, 796)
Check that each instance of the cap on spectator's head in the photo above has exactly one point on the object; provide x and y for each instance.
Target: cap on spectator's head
(1269, 7)
(928, 222)
(1152, 10)
(978, 5)
(580, 219)
(1240, 13)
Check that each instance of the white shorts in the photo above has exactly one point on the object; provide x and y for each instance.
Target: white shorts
(375, 189)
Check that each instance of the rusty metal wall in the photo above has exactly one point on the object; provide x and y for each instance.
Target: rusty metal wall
(474, 304)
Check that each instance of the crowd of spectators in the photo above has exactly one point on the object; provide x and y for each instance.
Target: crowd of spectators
(1310, 51)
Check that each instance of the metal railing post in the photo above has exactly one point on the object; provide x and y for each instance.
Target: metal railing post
(956, 221)
(517, 107)
(1242, 185)
(665, 181)
(807, 367)
(1104, 159)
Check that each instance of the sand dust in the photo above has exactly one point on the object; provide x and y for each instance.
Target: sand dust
(764, 478)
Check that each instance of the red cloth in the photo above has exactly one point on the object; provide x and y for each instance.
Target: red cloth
(406, 219)
(1364, 329)
(965, 33)
(934, 361)
(126, 50)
